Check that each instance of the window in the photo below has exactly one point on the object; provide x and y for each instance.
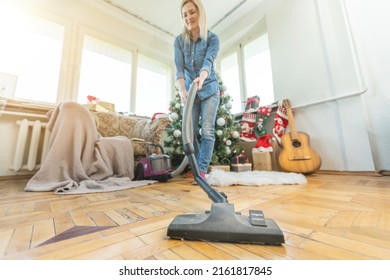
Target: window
(231, 79)
(256, 75)
(105, 73)
(153, 87)
(258, 70)
(31, 52)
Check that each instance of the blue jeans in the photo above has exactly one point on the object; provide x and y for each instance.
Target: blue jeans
(206, 111)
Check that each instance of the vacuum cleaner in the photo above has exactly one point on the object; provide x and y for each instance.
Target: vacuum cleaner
(157, 166)
(222, 223)
(154, 166)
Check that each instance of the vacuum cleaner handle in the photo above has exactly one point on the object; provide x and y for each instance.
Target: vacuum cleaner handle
(187, 132)
(149, 146)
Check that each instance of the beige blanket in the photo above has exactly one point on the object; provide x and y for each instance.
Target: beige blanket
(80, 160)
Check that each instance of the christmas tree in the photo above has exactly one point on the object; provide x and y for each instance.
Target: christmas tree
(227, 131)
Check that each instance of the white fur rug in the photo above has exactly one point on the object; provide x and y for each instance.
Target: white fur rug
(222, 178)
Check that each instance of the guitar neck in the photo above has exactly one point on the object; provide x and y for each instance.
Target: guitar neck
(291, 123)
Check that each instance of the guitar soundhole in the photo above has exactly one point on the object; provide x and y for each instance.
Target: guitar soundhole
(296, 144)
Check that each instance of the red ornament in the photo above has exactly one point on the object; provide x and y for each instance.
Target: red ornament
(91, 98)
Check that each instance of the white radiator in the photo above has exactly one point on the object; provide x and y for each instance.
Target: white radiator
(31, 145)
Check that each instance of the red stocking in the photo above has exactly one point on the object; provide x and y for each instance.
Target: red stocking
(247, 123)
(281, 123)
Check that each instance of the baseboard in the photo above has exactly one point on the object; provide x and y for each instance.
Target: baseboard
(384, 172)
(16, 177)
(353, 173)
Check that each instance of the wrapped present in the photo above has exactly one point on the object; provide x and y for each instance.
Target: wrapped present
(95, 104)
(101, 106)
(262, 161)
(252, 103)
(239, 159)
(220, 167)
(241, 167)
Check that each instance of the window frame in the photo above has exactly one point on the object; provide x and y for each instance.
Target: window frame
(71, 57)
(239, 48)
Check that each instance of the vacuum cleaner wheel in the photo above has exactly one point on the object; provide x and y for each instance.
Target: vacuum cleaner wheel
(139, 172)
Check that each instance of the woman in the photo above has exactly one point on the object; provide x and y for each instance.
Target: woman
(195, 51)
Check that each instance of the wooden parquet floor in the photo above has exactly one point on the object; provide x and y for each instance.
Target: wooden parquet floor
(332, 217)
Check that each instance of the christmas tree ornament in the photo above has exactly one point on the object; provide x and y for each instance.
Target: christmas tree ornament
(228, 150)
(177, 133)
(219, 132)
(174, 116)
(228, 142)
(280, 123)
(177, 106)
(221, 121)
(235, 134)
(228, 105)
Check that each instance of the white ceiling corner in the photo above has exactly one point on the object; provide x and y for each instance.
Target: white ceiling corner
(164, 15)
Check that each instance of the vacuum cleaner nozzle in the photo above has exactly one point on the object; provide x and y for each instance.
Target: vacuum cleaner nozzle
(223, 224)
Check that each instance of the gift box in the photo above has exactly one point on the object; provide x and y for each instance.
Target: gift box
(101, 106)
(241, 167)
(220, 167)
(252, 103)
(239, 159)
(275, 156)
(262, 161)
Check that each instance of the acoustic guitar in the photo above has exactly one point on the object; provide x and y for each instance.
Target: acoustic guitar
(296, 154)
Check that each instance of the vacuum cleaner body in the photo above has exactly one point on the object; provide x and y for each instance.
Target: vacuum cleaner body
(154, 167)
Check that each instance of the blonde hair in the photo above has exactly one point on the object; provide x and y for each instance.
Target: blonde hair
(202, 20)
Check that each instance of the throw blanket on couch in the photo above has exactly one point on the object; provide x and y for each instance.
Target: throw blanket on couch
(80, 160)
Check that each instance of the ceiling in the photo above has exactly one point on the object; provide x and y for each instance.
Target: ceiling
(164, 15)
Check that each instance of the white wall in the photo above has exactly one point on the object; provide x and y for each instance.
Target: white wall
(370, 26)
(313, 60)
(331, 59)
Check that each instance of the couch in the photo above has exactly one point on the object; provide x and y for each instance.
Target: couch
(140, 130)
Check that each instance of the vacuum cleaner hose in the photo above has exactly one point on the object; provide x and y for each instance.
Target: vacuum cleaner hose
(187, 133)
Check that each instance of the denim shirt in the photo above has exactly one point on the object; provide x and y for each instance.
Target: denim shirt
(191, 59)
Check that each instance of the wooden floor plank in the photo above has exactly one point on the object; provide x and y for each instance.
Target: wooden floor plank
(42, 231)
(343, 219)
(167, 255)
(359, 248)
(367, 219)
(21, 240)
(151, 251)
(80, 219)
(187, 253)
(5, 239)
(333, 216)
(101, 219)
(236, 251)
(115, 249)
(384, 221)
(209, 251)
